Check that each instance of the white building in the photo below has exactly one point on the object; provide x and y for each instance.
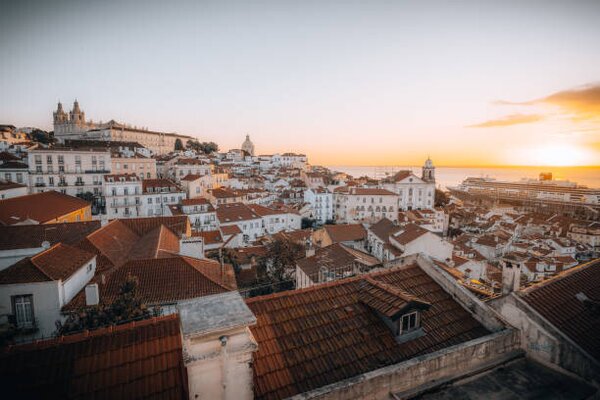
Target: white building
(247, 221)
(33, 291)
(158, 195)
(365, 205)
(74, 126)
(123, 196)
(321, 203)
(413, 239)
(142, 166)
(274, 221)
(70, 171)
(413, 192)
(202, 214)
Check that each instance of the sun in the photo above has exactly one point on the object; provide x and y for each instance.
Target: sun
(563, 155)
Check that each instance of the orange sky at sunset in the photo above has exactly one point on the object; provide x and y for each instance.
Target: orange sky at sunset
(347, 83)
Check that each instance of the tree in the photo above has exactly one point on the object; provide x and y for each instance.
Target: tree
(441, 198)
(204, 147)
(38, 135)
(87, 196)
(280, 260)
(178, 144)
(126, 307)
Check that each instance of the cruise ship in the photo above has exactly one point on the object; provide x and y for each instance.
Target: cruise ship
(556, 195)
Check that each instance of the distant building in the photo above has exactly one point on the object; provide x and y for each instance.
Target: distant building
(248, 146)
(75, 126)
(413, 192)
(71, 171)
(44, 208)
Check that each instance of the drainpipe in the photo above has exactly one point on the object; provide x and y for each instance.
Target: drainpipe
(223, 340)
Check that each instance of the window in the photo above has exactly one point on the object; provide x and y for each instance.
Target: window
(38, 159)
(61, 159)
(409, 322)
(49, 159)
(23, 310)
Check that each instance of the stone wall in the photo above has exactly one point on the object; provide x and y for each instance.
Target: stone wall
(450, 363)
(543, 342)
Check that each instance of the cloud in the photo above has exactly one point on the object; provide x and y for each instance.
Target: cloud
(582, 103)
(514, 119)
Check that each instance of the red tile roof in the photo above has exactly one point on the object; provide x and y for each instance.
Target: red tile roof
(57, 263)
(32, 236)
(346, 233)
(191, 177)
(195, 201)
(336, 258)
(317, 336)
(387, 299)
(40, 207)
(166, 280)
(410, 233)
(210, 237)
(555, 300)
(158, 243)
(138, 360)
(235, 212)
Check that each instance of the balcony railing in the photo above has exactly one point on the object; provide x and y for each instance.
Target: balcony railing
(40, 184)
(79, 183)
(97, 171)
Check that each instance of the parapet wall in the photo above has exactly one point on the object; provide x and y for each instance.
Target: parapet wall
(450, 363)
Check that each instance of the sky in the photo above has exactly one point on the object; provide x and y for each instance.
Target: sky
(475, 83)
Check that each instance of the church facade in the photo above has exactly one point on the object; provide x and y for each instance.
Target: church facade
(73, 125)
(414, 193)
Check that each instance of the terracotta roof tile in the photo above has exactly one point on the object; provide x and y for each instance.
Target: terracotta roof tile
(40, 207)
(167, 280)
(409, 233)
(555, 300)
(32, 236)
(313, 337)
(346, 233)
(138, 360)
(335, 258)
(235, 212)
(57, 263)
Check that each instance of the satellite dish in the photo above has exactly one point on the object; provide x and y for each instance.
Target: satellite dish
(46, 244)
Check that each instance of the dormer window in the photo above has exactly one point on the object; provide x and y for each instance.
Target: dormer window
(399, 310)
(409, 323)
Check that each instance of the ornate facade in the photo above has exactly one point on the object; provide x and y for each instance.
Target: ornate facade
(74, 126)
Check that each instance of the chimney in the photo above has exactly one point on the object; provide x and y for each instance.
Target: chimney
(310, 250)
(511, 276)
(191, 247)
(92, 295)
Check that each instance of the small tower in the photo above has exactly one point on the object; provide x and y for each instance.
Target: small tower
(248, 146)
(60, 117)
(428, 171)
(76, 115)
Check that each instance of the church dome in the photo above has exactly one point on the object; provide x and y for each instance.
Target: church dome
(248, 146)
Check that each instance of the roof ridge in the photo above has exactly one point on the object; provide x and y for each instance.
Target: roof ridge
(37, 266)
(563, 275)
(186, 260)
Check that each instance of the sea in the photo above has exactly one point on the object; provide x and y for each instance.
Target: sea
(452, 176)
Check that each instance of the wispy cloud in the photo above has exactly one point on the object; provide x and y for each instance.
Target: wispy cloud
(581, 103)
(514, 119)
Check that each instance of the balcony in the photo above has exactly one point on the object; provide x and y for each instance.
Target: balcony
(79, 183)
(40, 184)
(97, 171)
(62, 183)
